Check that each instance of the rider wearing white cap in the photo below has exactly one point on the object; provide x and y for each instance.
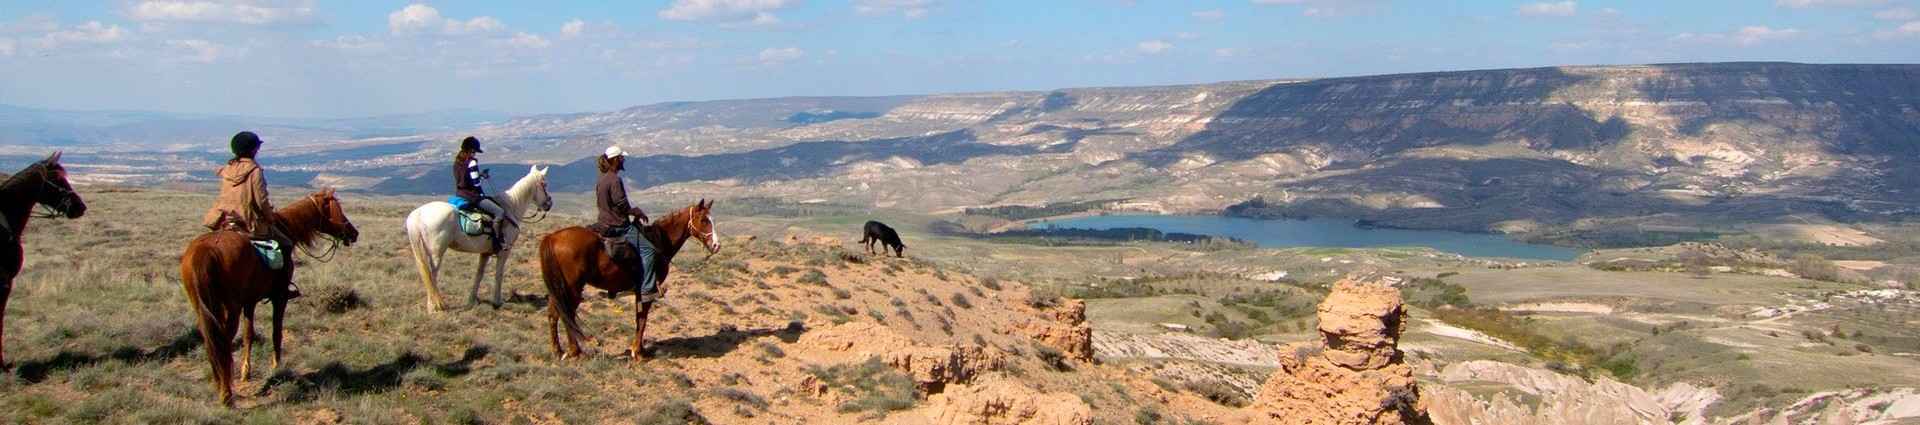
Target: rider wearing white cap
(624, 241)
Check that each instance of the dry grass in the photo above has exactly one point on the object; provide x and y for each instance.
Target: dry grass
(104, 335)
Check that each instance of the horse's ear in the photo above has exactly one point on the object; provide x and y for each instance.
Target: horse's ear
(703, 203)
(55, 158)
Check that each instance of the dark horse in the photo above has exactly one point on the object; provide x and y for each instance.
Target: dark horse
(876, 232)
(224, 279)
(573, 258)
(43, 183)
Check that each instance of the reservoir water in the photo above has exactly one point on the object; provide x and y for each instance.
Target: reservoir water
(1323, 233)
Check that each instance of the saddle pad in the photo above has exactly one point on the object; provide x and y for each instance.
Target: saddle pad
(474, 223)
(270, 253)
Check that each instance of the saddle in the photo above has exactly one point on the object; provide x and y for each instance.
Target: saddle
(269, 250)
(628, 248)
(473, 220)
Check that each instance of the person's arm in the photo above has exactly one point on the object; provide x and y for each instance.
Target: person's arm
(263, 204)
(463, 175)
(620, 204)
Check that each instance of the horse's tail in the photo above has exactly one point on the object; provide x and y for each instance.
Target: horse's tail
(196, 279)
(417, 242)
(562, 301)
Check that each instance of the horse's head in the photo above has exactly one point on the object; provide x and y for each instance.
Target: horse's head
(541, 199)
(701, 224)
(54, 190)
(336, 224)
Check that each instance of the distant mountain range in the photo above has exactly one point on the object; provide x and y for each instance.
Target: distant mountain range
(1513, 150)
(133, 130)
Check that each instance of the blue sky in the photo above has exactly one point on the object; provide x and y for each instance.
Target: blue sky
(360, 58)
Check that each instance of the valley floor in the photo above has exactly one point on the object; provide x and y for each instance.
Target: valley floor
(778, 327)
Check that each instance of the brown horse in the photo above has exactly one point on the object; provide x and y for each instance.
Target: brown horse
(224, 279)
(43, 183)
(573, 258)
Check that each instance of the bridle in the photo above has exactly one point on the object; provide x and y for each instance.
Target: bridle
(712, 239)
(41, 209)
(333, 242)
(539, 214)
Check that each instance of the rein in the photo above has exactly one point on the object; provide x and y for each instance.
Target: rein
(334, 243)
(712, 232)
(41, 210)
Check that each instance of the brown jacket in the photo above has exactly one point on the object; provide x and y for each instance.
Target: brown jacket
(243, 196)
(610, 198)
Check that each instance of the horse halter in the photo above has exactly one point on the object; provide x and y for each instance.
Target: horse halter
(712, 237)
(334, 242)
(46, 183)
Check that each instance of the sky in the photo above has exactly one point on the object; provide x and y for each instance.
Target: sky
(307, 58)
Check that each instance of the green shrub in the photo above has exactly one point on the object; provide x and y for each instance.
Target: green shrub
(875, 387)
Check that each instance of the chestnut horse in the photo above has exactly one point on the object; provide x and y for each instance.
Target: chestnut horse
(43, 183)
(573, 258)
(224, 279)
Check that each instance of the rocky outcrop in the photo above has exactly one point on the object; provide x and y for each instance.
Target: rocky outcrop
(1009, 403)
(1562, 399)
(1354, 374)
(1858, 406)
(1067, 330)
(932, 368)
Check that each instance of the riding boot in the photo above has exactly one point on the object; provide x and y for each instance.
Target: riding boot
(284, 276)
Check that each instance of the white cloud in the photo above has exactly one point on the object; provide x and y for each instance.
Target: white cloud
(197, 50)
(1909, 29)
(420, 18)
(763, 19)
(573, 28)
(1210, 15)
(222, 11)
(90, 32)
(529, 41)
(1745, 36)
(1186, 35)
(700, 10)
(1802, 4)
(1324, 8)
(1226, 52)
(1902, 13)
(912, 9)
(1565, 8)
(351, 43)
(1758, 34)
(1154, 47)
(6, 46)
(777, 56)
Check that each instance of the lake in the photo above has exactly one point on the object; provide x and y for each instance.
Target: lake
(1323, 233)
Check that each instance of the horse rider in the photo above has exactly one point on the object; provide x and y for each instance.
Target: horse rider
(243, 205)
(467, 176)
(619, 221)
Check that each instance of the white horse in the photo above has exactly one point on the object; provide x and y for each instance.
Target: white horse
(432, 229)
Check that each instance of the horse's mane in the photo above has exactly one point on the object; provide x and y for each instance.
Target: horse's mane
(657, 229)
(38, 167)
(300, 220)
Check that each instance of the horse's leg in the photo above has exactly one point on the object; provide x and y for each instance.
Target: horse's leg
(246, 336)
(479, 275)
(6, 290)
(640, 312)
(279, 312)
(499, 275)
(224, 360)
(570, 316)
(553, 327)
